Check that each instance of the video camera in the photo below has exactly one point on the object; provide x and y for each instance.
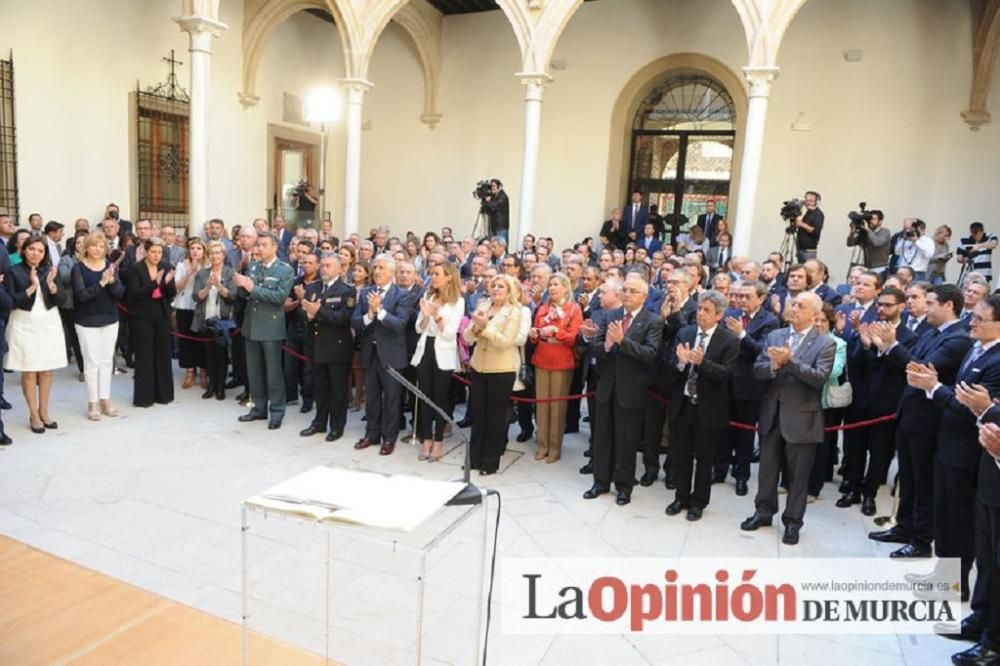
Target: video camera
(859, 219)
(790, 211)
(484, 188)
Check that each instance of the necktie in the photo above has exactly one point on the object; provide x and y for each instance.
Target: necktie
(970, 360)
(627, 323)
(795, 342)
(746, 320)
(912, 324)
(691, 388)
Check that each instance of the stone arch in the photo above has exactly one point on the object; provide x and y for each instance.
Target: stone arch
(636, 89)
(423, 24)
(984, 56)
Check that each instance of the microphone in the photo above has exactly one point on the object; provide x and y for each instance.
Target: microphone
(470, 494)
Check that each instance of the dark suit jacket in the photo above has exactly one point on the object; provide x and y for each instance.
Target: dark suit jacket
(710, 227)
(945, 351)
(389, 333)
(622, 372)
(713, 378)
(653, 246)
(654, 300)
(877, 386)
(867, 317)
(830, 295)
(637, 224)
(330, 329)
(19, 279)
(139, 289)
(617, 239)
(958, 435)
(745, 385)
(793, 398)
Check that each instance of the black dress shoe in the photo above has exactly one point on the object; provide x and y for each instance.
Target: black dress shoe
(587, 469)
(694, 513)
(624, 497)
(648, 478)
(5, 440)
(5, 405)
(977, 655)
(675, 507)
(306, 407)
(791, 536)
(208, 393)
(233, 383)
(220, 394)
(242, 397)
(868, 506)
(891, 535)
(247, 418)
(589, 453)
(845, 487)
(668, 481)
(595, 491)
(755, 522)
(274, 424)
(741, 487)
(966, 631)
(523, 436)
(310, 431)
(910, 551)
(334, 435)
(849, 499)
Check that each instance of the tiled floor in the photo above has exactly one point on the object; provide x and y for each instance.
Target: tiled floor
(153, 498)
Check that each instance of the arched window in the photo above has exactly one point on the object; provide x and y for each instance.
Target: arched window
(682, 147)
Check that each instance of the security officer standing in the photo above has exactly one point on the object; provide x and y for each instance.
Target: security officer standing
(264, 289)
(331, 348)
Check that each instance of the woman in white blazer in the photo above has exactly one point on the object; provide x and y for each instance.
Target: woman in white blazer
(436, 355)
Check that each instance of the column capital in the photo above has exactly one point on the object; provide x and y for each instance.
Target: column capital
(534, 83)
(760, 79)
(355, 89)
(195, 25)
(976, 118)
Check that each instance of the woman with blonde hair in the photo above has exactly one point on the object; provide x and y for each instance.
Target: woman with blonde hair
(436, 354)
(214, 296)
(96, 292)
(190, 353)
(493, 330)
(557, 324)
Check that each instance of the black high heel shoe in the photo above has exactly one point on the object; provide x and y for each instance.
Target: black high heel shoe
(37, 431)
(51, 425)
(208, 393)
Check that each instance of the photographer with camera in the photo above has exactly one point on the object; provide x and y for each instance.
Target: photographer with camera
(496, 206)
(868, 233)
(977, 250)
(808, 227)
(915, 250)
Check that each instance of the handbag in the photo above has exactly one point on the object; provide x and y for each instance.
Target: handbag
(525, 374)
(841, 395)
(221, 330)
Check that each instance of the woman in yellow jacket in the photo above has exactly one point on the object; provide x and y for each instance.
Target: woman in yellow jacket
(493, 330)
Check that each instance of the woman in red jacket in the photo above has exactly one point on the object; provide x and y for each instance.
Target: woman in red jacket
(557, 323)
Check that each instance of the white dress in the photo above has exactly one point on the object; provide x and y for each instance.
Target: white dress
(35, 340)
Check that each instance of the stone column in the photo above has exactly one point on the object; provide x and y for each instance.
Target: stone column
(201, 30)
(355, 89)
(534, 84)
(760, 79)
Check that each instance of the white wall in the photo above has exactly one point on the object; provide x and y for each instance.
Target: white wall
(886, 130)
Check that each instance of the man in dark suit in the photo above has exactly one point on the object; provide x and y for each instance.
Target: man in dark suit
(720, 253)
(958, 447)
(283, 234)
(240, 257)
(380, 319)
(648, 240)
(709, 222)
(797, 363)
(625, 346)
(614, 231)
(634, 216)
(413, 288)
(918, 418)
(916, 309)
(330, 348)
(298, 373)
(876, 390)
(701, 366)
(679, 310)
(819, 276)
(597, 304)
(751, 328)
(263, 291)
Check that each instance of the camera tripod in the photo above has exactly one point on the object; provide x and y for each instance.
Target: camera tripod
(859, 257)
(789, 249)
(480, 218)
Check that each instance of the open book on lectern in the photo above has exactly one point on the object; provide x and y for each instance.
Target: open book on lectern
(333, 494)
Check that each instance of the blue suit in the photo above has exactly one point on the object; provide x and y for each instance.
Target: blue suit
(634, 225)
(654, 244)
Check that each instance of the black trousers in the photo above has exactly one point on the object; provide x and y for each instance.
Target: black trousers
(488, 398)
(592, 379)
(436, 384)
(616, 433)
(298, 373)
(150, 342)
(383, 402)
(735, 447)
(238, 350)
(654, 418)
(986, 594)
(868, 453)
(330, 387)
(216, 363)
(798, 460)
(573, 406)
(190, 353)
(692, 448)
(915, 513)
(72, 341)
(821, 463)
(954, 519)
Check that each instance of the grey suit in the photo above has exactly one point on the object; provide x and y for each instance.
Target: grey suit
(791, 420)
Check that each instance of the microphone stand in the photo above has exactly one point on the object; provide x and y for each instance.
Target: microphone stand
(469, 495)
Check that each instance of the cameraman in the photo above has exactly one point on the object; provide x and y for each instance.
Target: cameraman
(809, 226)
(497, 209)
(874, 238)
(915, 250)
(977, 249)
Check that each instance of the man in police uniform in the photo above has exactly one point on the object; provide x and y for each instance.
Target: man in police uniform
(330, 346)
(264, 289)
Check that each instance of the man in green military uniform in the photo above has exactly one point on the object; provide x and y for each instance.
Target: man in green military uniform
(264, 289)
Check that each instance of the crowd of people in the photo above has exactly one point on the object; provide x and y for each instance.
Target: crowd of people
(699, 361)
